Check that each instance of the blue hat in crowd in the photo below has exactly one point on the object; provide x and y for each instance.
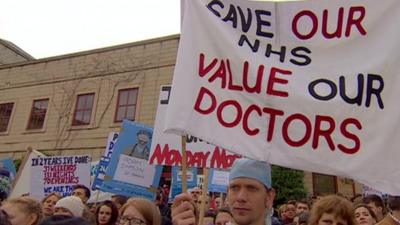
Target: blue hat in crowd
(249, 168)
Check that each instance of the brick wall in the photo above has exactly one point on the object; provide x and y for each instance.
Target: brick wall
(146, 65)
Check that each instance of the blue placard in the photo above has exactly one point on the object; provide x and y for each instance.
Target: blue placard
(7, 175)
(177, 181)
(104, 161)
(128, 172)
(218, 180)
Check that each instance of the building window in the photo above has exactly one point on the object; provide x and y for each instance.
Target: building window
(5, 115)
(126, 105)
(38, 114)
(83, 109)
(324, 184)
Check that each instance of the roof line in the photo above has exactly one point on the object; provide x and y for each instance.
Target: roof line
(16, 49)
(88, 52)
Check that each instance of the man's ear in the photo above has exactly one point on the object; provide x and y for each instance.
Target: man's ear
(269, 199)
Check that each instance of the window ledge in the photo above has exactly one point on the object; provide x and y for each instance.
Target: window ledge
(4, 133)
(35, 131)
(82, 127)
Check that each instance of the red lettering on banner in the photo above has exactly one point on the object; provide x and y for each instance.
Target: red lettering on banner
(60, 174)
(338, 32)
(221, 160)
(355, 21)
(238, 112)
(172, 157)
(352, 21)
(273, 79)
(224, 73)
(246, 116)
(240, 115)
(314, 22)
(324, 133)
(271, 125)
(257, 86)
(203, 92)
(203, 71)
(285, 130)
(197, 159)
(165, 156)
(351, 136)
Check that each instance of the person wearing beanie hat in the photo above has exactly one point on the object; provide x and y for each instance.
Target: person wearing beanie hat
(248, 198)
(70, 206)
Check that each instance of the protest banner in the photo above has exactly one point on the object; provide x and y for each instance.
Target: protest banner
(104, 161)
(166, 148)
(7, 175)
(129, 172)
(301, 85)
(22, 181)
(58, 174)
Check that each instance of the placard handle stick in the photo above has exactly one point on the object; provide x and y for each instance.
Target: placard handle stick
(184, 165)
(204, 196)
(96, 199)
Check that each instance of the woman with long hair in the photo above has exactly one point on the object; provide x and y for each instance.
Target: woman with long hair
(106, 213)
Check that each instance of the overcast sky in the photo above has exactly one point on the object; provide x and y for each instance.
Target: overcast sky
(46, 28)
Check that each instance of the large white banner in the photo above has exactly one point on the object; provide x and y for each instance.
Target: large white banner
(310, 85)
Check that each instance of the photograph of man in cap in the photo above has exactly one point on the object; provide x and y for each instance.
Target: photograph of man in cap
(249, 195)
(140, 149)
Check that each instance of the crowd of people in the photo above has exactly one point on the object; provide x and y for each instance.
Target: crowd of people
(249, 201)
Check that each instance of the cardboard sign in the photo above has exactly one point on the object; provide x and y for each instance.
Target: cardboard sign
(129, 172)
(104, 161)
(58, 174)
(7, 175)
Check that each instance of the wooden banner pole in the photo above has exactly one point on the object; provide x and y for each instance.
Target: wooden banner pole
(204, 196)
(184, 165)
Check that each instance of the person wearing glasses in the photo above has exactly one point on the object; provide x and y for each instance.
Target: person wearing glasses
(139, 211)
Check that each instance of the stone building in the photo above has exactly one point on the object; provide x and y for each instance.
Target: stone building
(67, 105)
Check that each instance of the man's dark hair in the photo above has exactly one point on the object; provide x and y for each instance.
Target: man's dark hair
(291, 202)
(81, 186)
(120, 199)
(374, 199)
(394, 202)
(305, 202)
